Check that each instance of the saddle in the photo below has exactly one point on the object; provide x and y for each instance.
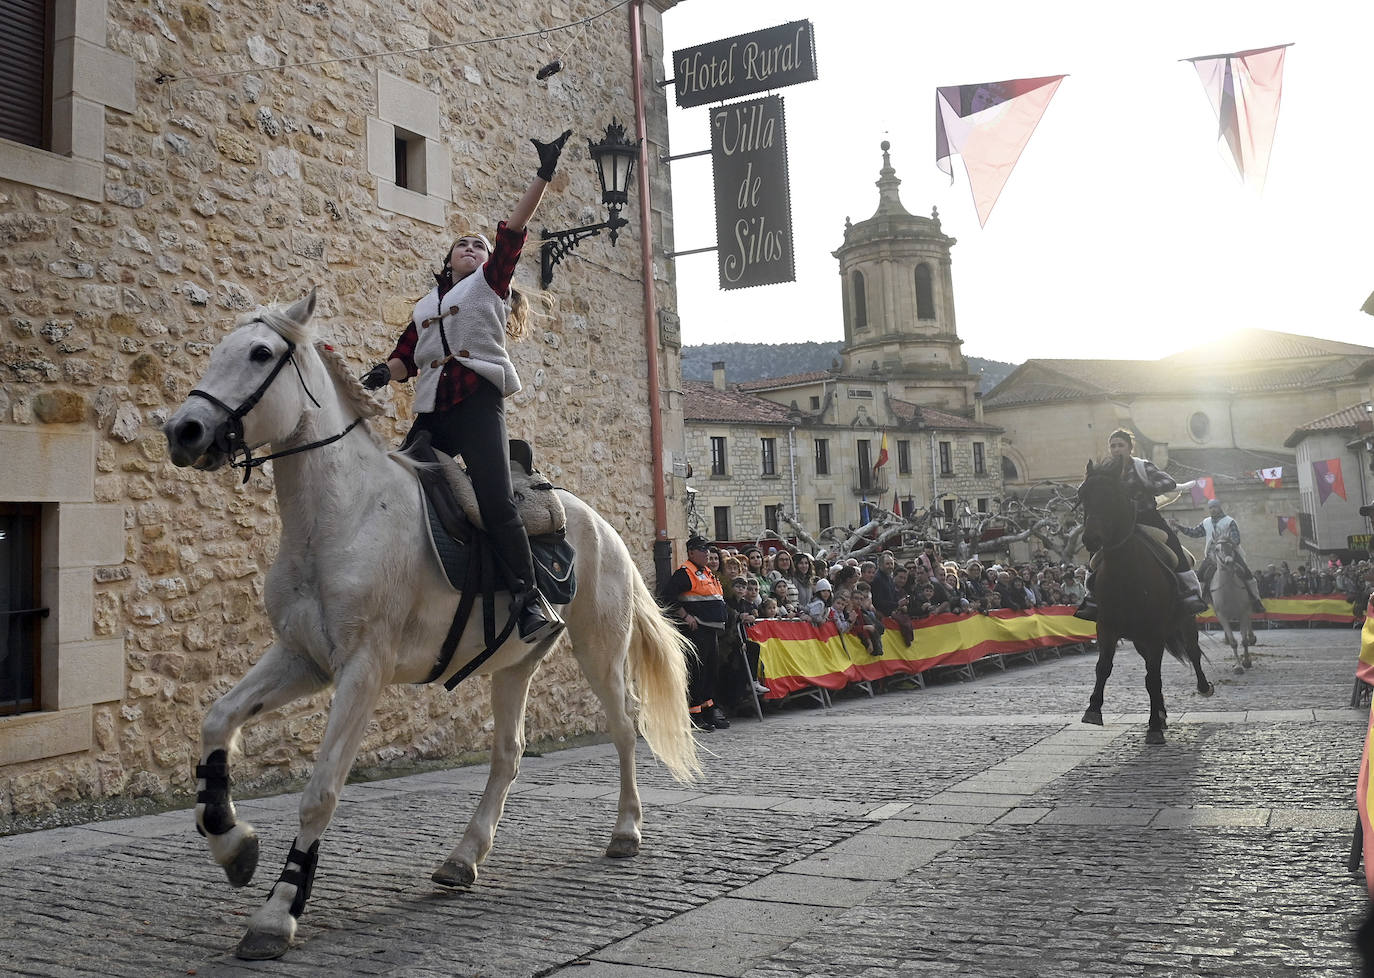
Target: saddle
(1157, 542)
(452, 532)
(470, 562)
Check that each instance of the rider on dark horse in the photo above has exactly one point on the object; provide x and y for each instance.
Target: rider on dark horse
(1143, 481)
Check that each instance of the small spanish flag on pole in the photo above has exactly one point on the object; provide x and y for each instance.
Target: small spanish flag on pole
(882, 455)
(1364, 790)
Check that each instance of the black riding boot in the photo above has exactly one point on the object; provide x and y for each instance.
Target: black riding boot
(537, 619)
(1087, 608)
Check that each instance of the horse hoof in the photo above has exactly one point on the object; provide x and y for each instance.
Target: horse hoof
(1153, 736)
(1093, 716)
(455, 874)
(262, 947)
(1246, 662)
(623, 847)
(244, 863)
(1206, 690)
(1238, 669)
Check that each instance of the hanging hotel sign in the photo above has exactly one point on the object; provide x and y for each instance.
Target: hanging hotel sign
(753, 202)
(745, 65)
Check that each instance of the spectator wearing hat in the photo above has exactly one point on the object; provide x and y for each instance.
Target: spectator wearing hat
(695, 600)
(822, 599)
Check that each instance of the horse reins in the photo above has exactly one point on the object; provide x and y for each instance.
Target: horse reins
(229, 435)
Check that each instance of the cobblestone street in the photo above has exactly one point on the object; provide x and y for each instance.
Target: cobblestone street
(970, 828)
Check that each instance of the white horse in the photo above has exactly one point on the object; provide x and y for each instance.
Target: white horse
(358, 601)
(1231, 601)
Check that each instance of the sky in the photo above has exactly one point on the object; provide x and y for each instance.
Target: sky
(1123, 231)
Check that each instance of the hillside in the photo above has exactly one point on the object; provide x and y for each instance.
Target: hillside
(754, 361)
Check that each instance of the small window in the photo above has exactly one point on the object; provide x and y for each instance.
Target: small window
(1199, 426)
(904, 457)
(770, 518)
(410, 161)
(823, 457)
(718, 457)
(908, 507)
(856, 280)
(925, 293)
(982, 504)
(721, 518)
(825, 514)
(769, 462)
(979, 465)
(815, 402)
(948, 505)
(20, 612)
(946, 458)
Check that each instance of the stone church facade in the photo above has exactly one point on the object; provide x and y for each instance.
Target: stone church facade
(185, 164)
(808, 444)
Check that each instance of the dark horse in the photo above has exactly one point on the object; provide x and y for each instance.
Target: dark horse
(1137, 597)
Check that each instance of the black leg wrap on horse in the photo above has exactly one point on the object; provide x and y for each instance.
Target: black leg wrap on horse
(302, 879)
(217, 818)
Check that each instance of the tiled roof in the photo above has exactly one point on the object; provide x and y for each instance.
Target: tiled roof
(702, 402)
(1245, 362)
(1226, 464)
(928, 417)
(1354, 418)
(1250, 345)
(791, 380)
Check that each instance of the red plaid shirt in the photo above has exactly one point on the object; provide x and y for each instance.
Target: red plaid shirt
(457, 381)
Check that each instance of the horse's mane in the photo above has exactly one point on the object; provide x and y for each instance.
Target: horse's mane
(350, 388)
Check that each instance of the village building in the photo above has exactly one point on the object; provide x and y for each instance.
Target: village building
(809, 444)
(1223, 410)
(166, 167)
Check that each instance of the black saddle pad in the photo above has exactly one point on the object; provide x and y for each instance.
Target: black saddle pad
(553, 557)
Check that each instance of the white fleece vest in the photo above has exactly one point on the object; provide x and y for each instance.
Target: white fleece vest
(475, 325)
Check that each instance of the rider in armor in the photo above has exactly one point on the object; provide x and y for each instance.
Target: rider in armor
(1143, 481)
(1215, 528)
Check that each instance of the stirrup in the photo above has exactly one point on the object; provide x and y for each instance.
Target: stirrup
(538, 619)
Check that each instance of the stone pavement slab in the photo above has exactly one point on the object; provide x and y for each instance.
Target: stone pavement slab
(1221, 853)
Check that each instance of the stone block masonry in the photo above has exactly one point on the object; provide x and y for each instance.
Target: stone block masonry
(222, 191)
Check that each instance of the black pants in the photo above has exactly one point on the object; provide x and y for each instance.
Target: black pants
(475, 430)
(703, 672)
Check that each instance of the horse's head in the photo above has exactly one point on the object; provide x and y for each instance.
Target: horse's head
(1108, 512)
(243, 401)
(1225, 553)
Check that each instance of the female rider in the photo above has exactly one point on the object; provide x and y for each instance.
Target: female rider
(455, 345)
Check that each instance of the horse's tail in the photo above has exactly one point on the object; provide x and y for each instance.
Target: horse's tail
(658, 668)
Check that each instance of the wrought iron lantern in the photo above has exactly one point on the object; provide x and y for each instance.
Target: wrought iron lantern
(615, 159)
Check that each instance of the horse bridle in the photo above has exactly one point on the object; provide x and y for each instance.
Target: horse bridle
(1130, 531)
(229, 435)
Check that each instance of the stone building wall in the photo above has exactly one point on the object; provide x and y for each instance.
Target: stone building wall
(221, 191)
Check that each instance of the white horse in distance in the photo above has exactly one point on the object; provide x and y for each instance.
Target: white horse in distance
(358, 601)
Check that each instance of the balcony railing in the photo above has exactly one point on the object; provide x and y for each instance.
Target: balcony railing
(870, 485)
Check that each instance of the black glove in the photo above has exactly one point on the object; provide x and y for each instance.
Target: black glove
(378, 376)
(548, 155)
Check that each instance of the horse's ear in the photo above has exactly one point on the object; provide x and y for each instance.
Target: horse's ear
(302, 309)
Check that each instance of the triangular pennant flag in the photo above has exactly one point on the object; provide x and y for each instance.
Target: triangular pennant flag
(896, 503)
(1244, 88)
(1273, 478)
(989, 125)
(1328, 479)
(1288, 524)
(1203, 490)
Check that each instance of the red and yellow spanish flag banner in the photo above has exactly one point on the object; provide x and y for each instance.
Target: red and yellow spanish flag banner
(797, 654)
(1364, 798)
(1300, 607)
